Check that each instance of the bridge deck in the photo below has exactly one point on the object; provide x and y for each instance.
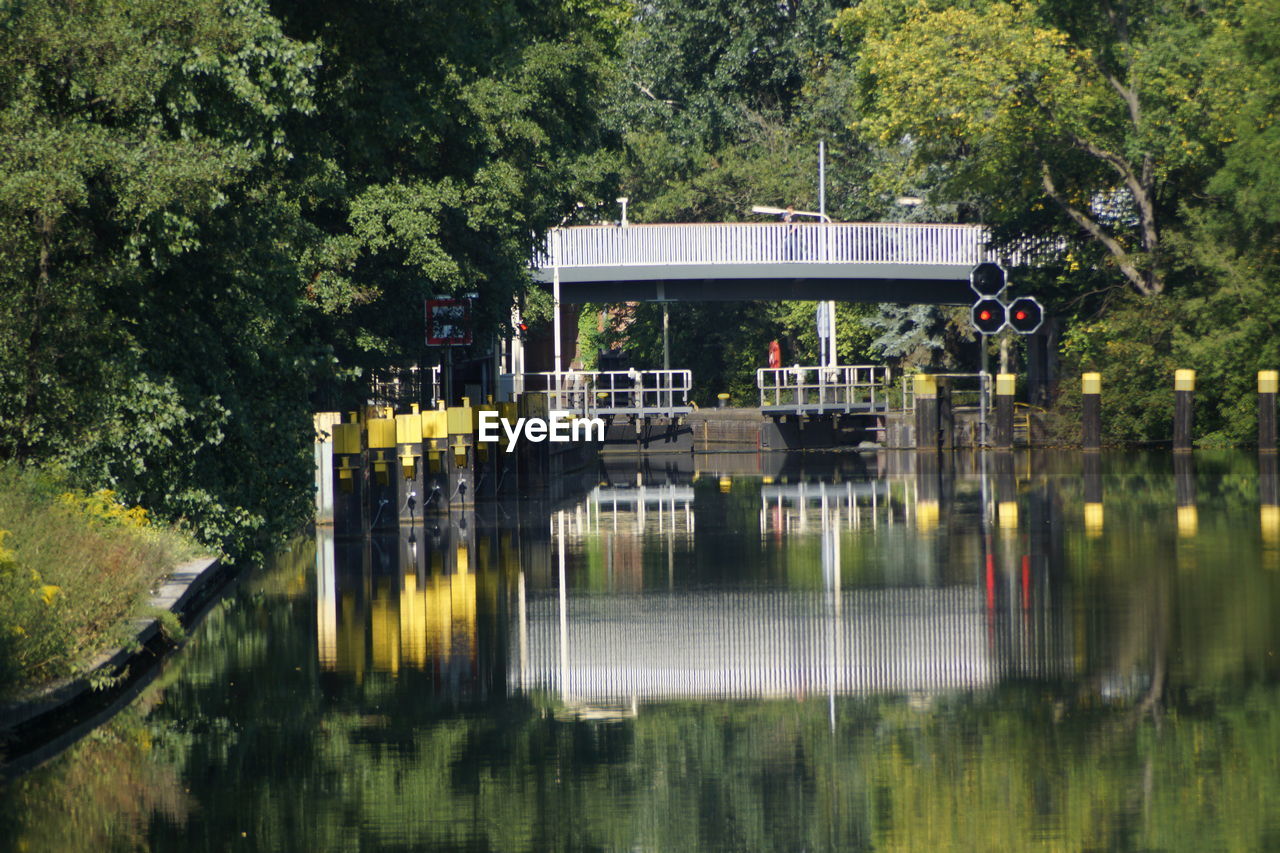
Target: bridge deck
(710, 261)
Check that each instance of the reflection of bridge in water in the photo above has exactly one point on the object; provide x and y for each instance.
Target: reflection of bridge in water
(762, 644)
(579, 604)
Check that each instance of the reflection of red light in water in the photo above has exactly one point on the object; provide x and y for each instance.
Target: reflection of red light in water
(1026, 582)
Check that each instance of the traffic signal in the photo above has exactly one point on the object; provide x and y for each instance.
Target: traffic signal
(1025, 315)
(987, 279)
(988, 316)
(522, 328)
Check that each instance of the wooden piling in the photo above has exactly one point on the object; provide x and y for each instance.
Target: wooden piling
(927, 422)
(1184, 387)
(1091, 410)
(1268, 382)
(1006, 384)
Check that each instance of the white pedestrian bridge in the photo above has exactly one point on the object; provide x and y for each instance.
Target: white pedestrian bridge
(862, 262)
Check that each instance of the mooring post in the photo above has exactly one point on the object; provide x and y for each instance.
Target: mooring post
(384, 493)
(409, 457)
(1006, 384)
(926, 397)
(1184, 389)
(1268, 380)
(1091, 410)
(349, 477)
(460, 459)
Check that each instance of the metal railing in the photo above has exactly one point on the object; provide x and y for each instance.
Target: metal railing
(768, 243)
(646, 393)
(967, 389)
(843, 388)
(400, 386)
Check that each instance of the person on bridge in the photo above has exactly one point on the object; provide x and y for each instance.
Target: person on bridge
(775, 354)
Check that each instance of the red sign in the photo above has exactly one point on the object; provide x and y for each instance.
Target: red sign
(448, 322)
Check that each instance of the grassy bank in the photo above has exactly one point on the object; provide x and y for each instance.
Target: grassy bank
(74, 567)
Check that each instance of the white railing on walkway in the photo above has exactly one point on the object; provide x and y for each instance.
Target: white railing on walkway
(966, 389)
(613, 392)
(847, 388)
(765, 243)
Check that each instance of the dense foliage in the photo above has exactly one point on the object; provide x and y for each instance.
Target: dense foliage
(216, 213)
(213, 211)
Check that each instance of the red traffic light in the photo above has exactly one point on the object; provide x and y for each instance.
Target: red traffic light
(1025, 315)
(988, 316)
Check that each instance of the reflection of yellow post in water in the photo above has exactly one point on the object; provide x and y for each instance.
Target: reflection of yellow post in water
(1007, 515)
(1188, 521)
(413, 623)
(350, 646)
(1269, 512)
(1184, 473)
(1271, 525)
(1093, 519)
(384, 615)
(926, 515)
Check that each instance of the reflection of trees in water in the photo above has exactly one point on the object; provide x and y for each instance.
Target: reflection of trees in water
(1182, 628)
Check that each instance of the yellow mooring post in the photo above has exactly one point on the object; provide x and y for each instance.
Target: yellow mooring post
(1268, 382)
(349, 477)
(926, 402)
(1091, 410)
(461, 459)
(410, 468)
(384, 480)
(507, 467)
(1184, 388)
(1006, 386)
(435, 447)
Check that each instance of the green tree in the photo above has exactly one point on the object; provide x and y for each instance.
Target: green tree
(1055, 118)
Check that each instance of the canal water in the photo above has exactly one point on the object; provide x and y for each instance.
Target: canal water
(814, 652)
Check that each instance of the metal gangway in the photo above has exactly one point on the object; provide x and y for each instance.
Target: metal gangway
(841, 389)
(613, 393)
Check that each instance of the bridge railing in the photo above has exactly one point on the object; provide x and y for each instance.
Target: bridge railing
(843, 388)
(647, 393)
(756, 243)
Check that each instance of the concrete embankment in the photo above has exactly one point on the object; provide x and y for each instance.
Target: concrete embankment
(41, 724)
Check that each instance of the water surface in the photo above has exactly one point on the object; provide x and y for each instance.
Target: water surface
(853, 652)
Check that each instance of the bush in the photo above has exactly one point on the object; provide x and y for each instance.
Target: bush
(74, 568)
